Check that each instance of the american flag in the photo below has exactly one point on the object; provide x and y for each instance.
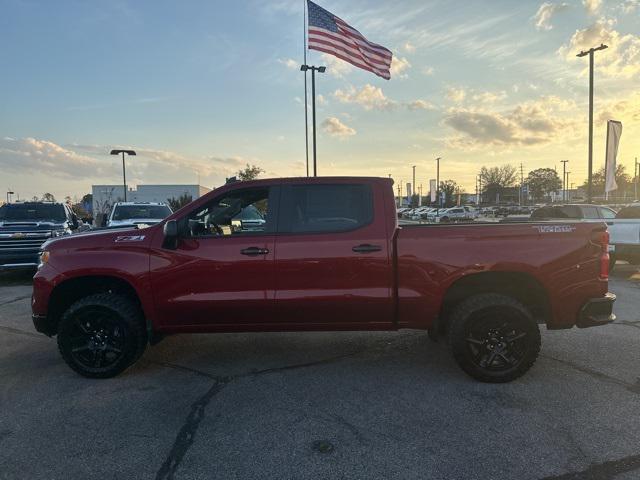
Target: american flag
(330, 34)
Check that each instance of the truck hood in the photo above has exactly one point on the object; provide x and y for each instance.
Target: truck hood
(29, 225)
(109, 238)
(135, 221)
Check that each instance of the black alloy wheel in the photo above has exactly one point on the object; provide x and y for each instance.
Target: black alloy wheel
(99, 336)
(493, 337)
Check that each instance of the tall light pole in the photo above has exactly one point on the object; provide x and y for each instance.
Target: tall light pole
(437, 185)
(124, 171)
(567, 185)
(413, 185)
(584, 53)
(564, 177)
(313, 69)
(636, 171)
(9, 193)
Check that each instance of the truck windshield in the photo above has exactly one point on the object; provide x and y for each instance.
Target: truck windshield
(32, 211)
(126, 212)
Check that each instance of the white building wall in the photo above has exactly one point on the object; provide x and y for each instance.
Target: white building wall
(104, 196)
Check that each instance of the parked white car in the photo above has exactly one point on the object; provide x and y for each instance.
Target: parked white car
(624, 235)
(453, 214)
(137, 213)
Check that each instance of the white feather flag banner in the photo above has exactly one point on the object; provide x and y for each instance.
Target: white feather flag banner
(614, 132)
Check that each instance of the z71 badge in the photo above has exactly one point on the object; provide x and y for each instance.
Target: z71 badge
(130, 238)
(555, 228)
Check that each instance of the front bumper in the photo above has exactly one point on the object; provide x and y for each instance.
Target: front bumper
(597, 311)
(17, 261)
(42, 325)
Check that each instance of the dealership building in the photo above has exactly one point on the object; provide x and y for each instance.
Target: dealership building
(104, 196)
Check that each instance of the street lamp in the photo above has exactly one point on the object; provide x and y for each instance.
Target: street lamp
(583, 53)
(9, 193)
(437, 185)
(124, 173)
(314, 69)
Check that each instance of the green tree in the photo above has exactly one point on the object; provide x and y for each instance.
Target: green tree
(48, 197)
(449, 188)
(181, 201)
(623, 179)
(250, 172)
(542, 182)
(496, 179)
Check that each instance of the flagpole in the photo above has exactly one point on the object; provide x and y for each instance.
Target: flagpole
(306, 105)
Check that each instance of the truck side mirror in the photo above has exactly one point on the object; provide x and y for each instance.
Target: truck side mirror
(170, 231)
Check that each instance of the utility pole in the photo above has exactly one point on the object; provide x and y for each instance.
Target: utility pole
(564, 176)
(313, 69)
(584, 53)
(420, 196)
(567, 185)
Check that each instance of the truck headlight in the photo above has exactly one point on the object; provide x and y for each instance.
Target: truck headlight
(44, 258)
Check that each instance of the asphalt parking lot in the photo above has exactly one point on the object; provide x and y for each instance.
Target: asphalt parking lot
(322, 405)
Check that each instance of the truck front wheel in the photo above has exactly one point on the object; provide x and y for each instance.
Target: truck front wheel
(493, 337)
(100, 335)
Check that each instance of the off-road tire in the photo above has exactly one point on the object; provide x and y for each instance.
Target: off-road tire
(497, 308)
(125, 325)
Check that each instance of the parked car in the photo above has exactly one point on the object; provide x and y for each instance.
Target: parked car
(25, 226)
(453, 214)
(137, 213)
(330, 256)
(573, 211)
(625, 235)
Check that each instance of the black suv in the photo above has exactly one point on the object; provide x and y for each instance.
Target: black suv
(25, 226)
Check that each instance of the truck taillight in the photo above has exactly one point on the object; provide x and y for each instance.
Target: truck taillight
(604, 255)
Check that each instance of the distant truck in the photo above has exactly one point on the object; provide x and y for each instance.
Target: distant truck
(320, 254)
(25, 226)
(623, 226)
(137, 213)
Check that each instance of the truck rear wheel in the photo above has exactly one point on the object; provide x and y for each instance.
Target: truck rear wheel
(493, 338)
(99, 336)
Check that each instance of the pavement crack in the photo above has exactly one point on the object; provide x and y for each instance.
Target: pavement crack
(17, 299)
(634, 388)
(187, 433)
(602, 471)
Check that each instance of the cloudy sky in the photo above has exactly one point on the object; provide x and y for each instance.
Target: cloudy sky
(200, 88)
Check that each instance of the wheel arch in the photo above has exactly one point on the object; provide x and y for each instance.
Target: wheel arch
(523, 287)
(73, 289)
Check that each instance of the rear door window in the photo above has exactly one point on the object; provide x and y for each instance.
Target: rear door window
(325, 208)
(590, 212)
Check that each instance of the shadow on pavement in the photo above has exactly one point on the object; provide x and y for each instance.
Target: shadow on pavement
(16, 277)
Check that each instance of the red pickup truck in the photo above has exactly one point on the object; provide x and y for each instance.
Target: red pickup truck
(311, 254)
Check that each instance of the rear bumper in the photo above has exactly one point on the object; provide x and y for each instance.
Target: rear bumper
(597, 311)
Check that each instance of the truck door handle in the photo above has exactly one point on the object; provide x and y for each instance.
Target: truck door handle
(366, 248)
(254, 251)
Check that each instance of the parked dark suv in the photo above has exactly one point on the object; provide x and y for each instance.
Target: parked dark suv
(25, 226)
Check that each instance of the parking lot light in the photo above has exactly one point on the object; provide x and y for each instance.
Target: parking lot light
(124, 174)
